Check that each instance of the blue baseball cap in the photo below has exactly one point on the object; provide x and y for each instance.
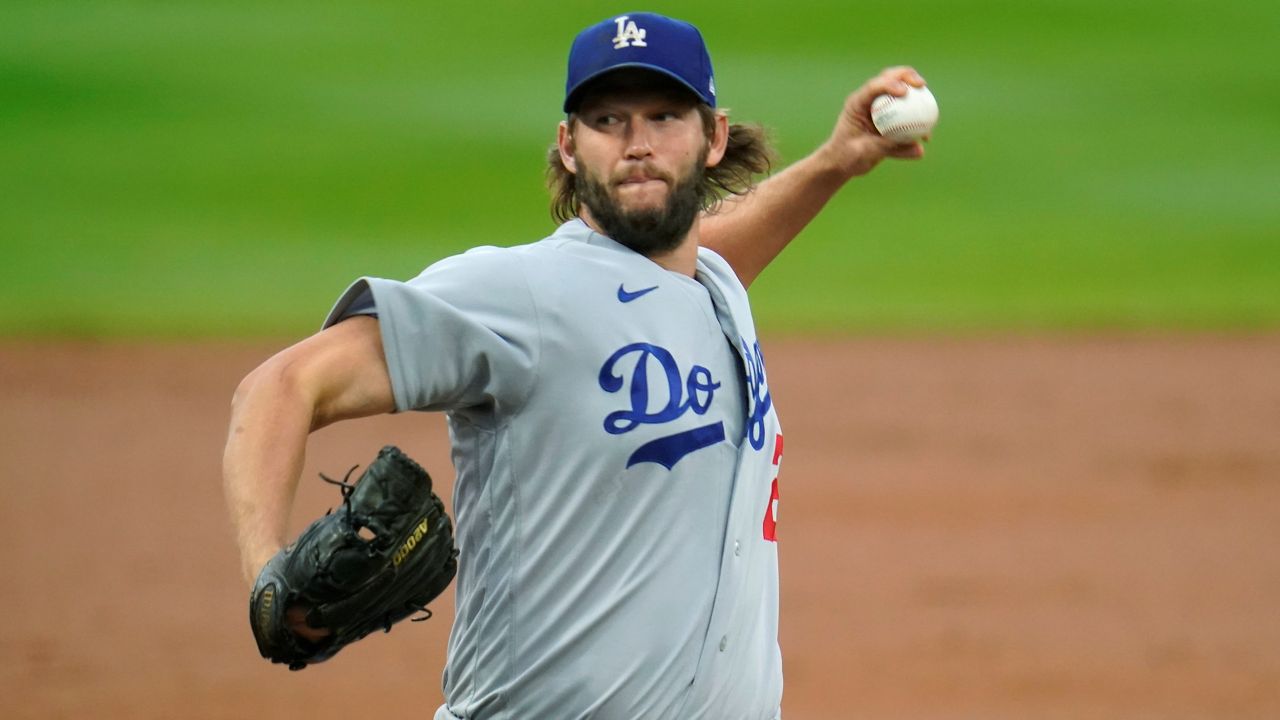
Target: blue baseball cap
(641, 40)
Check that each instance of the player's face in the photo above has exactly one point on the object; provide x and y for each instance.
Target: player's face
(639, 157)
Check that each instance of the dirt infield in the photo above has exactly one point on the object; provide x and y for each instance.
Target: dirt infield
(979, 528)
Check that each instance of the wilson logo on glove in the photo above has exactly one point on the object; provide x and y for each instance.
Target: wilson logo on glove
(268, 599)
(410, 544)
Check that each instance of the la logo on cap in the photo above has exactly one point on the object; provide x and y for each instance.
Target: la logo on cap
(628, 34)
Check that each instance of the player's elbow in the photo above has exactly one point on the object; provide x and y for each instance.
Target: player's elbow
(245, 390)
(337, 374)
(278, 381)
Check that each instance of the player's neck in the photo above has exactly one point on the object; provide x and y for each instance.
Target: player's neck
(682, 259)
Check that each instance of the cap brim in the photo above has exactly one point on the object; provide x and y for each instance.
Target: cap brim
(574, 95)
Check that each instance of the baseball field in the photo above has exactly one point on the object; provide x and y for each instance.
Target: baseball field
(1030, 386)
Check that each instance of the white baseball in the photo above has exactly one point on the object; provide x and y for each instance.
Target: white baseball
(907, 118)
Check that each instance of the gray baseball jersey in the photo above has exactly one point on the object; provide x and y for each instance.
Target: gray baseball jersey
(617, 452)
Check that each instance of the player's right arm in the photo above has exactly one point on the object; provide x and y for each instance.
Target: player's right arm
(750, 230)
(336, 374)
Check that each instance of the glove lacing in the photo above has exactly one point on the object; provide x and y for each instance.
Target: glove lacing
(347, 487)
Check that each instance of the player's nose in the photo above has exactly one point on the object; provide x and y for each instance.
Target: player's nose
(638, 141)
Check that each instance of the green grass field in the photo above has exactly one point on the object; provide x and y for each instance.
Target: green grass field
(225, 168)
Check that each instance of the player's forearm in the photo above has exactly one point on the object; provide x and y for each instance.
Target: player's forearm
(751, 230)
(265, 451)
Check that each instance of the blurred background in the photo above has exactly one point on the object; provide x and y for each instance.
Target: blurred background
(1029, 384)
(225, 168)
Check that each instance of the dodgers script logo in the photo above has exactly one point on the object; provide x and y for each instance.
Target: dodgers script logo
(660, 405)
(757, 392)
(628, 34)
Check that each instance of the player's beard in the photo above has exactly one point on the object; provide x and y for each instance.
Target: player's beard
(648, 231)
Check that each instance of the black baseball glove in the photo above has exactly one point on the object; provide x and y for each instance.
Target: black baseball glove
(381, 557)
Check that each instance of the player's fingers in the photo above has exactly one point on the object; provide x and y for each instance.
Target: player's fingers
(895, 81)
(888, 147)
(905, 74)
(891, 81)
(858, 105)
(297, 619)
(907, 151)
(882, 146)
(877, 86)
(909, 76)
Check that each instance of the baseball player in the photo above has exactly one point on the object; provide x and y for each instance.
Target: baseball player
(614, 436)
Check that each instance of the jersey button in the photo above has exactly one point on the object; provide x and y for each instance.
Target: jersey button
(737, 548)
(724, 641)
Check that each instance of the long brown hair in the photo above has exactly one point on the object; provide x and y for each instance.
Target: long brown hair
(748, 154)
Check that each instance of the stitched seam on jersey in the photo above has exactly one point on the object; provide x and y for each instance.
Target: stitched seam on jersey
(538, 345)
(517, 485)
(503, 439)
(505, 566)
(473, 690)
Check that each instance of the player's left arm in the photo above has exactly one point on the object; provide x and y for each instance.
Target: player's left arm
(750, 230)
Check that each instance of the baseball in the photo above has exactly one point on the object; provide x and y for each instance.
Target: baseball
(907, 118)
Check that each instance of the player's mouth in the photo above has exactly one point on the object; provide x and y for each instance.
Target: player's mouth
(640, 180)
(639, 175)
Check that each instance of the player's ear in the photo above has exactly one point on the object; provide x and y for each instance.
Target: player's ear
(564, 141)
(719, 139)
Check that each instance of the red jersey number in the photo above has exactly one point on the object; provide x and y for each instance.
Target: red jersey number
(771, 512)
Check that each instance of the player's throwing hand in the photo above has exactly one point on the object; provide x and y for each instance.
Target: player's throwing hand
(855, 146)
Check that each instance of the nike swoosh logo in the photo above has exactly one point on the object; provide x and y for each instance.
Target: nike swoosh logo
(627, 296)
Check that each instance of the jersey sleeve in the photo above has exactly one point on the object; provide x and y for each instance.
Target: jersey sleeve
(463, 334)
